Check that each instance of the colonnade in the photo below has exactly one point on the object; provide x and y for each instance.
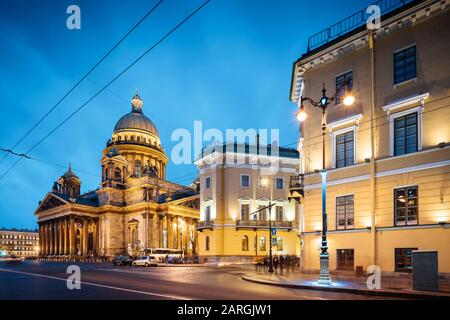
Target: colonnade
(68, 235)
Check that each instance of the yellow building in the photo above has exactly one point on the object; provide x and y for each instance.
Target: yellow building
(238, 183)
(21, 243)
(387, 155)
(134, 210)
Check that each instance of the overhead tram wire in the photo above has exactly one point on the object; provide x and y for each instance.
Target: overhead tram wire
(192, 175)
(83, 77)
(107, 85)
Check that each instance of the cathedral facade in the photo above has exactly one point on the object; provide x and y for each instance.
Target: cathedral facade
(134, 209)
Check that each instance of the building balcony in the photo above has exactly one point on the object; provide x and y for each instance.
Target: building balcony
(263, 224)
(205, 225)
(297, 188)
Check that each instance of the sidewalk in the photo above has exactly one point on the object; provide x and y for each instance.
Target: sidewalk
(391, 286)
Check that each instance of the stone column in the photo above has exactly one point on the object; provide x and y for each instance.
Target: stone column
(195, 246)
(66, 236)
(40, 239)
(61, 237)
(71, 236)
(85, 237)
(45, 238)
(97, 236)
(52, 237)
(169, 228)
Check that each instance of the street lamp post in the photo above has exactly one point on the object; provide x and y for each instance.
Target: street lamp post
(265, 182)
(323, 103)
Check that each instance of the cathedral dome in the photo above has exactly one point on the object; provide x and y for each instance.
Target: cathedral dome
(136, 119)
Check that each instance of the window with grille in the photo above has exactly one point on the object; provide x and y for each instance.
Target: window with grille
(345, 149)
(405, 65)
(345, 212)
(340, 88)
(405, 134)
(403, 259)
(345, 259)
(245, 211)
(406, 206)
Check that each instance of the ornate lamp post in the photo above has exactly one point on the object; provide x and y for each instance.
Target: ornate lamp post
(323, 103)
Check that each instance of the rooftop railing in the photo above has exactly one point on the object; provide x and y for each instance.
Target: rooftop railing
(352, 22)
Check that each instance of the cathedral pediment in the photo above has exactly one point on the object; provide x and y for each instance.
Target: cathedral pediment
(192, 203)
(50, 201)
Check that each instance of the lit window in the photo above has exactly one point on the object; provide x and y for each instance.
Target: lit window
(279, 244)
(245, 211)
(279, 210)
(403, 259)
(345, 212)
(244, 243)
(262, 244)
(406, 206)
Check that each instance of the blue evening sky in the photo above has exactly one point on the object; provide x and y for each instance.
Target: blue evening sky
(229, 66)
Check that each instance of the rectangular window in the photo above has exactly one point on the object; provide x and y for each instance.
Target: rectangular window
(405, 134)
(208, 182)
(345, 259)
(345, 212)
(279, 183)
(405, 65)
(245, 211)
(208, 213)
(345, 149)
(245, 181)
(279, 213)
(403, 259)
(340, 88)
(262, 212)
(406, 206)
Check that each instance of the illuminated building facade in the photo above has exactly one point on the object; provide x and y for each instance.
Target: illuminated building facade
(21, 243)
(388, 155)
(134, 209)
(231, 229)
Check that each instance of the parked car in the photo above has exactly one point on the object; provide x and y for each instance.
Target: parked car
(145, 261)
(122, 261)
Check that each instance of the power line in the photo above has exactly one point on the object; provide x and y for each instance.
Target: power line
(108, 84)
(84, 77)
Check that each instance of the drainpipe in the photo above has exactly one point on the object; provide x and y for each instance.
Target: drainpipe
(373, 231)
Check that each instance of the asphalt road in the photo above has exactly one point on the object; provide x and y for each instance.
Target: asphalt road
(48, 280)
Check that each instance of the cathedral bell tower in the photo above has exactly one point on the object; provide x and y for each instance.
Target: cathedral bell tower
(69, 184)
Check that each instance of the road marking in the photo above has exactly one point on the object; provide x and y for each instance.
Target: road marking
(99, 285)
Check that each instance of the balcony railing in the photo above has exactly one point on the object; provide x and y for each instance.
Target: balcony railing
(352, 22)
(262, 224)
(205, 224)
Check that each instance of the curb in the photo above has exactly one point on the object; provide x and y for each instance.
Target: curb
(386, 293)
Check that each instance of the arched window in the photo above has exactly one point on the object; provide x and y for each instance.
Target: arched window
(138, 139)
(262, 244)
(118, 174)
(137, 168)
(279, 244)
(119, 138)
(244, 243)
(207, 243)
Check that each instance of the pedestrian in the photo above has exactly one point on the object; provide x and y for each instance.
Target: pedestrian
(281, 264)
(275, 264)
